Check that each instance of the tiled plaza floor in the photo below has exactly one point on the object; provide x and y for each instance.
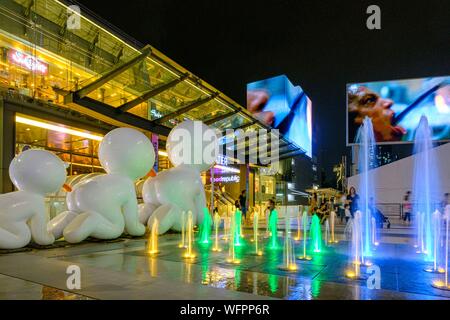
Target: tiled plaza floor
(123, 270)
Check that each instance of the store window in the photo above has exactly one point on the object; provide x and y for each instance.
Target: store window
(264, 187)
(78, 148)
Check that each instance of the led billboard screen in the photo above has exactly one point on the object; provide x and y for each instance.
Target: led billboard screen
(283, 106)
(396, 106)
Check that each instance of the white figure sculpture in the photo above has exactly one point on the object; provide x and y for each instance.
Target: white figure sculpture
(192, 148)
(22, 213)
(105, 205)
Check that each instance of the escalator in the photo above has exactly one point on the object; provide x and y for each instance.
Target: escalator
(223, 197)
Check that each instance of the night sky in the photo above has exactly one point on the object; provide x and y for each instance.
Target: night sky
(320, 45)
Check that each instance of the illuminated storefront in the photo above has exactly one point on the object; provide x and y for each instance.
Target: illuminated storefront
(63, 90)
(75, 147)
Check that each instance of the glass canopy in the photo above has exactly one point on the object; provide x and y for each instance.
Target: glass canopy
(103, 68)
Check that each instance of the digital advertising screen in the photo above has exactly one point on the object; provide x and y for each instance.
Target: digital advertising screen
(396, 106)
(283, 106)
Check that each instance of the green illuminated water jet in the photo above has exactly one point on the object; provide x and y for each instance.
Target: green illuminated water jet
(237, 228)
(316, 234)
(232, 243)
(273, 222)
(205, 228)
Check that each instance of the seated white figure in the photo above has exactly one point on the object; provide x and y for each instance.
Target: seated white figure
(22, 213)
(105, 206)
(180, 188)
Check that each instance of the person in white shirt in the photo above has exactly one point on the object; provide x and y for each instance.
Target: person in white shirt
(348, 214)
(342, 202)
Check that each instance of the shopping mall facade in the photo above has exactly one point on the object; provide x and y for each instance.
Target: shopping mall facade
(62, 89)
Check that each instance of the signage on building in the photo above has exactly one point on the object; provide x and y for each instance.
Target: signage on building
(222, 160)
(27, 61)
(227, 179)
(155, 142)
(269, 171)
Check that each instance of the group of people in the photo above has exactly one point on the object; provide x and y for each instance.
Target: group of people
(344, 204)
(407, 206)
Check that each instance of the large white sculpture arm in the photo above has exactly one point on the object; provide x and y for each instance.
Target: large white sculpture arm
(131, 213)
(38, 224)
(22, 213)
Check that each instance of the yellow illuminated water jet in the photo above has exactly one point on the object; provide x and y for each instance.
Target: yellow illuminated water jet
(183, 230)
(256, 235)
(153, 241)
(298, 237)
(216, 247)
(189, 254)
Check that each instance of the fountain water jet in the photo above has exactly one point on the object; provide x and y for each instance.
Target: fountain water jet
(226, 228)
(425, 188)
(288, 254)
(374, 232)
(354, 272)
(366, 161)
(182, 244)
(189, 254)
(273, 224)
(298, 237)
(439, 284)
(316, 234)
(255, 235)
(216, 247)
(205, 229)
(436, 227)
(332, 226)
(153, 243)
(305, 236)
(232, 243)
(420, 243)
(237, 228)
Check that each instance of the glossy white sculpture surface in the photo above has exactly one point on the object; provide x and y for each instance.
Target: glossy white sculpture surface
(105, 206)
(22, 213)
(180, 188)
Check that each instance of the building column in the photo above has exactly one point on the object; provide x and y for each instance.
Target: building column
(7, 145)
(212, 190)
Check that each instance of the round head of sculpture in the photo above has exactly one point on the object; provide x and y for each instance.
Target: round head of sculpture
(128, 152)
(193, 144)
(37, 171)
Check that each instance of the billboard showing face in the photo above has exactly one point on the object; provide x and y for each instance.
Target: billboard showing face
(283, 106)
(396, 106)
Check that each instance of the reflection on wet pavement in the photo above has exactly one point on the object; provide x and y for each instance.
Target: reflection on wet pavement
(18, 289)
(402, 275)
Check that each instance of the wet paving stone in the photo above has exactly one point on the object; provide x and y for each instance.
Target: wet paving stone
(401, 269)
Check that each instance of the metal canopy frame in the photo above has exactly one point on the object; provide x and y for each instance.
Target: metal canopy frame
(121, 113)
(188, 107)
(114, 72)
(151, 93)
(221, 117)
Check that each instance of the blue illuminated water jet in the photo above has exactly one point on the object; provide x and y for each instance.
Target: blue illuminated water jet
(366, 161)
(425, 188)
